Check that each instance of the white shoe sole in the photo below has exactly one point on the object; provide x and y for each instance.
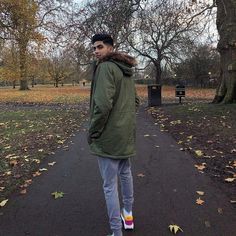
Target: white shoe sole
(125, 225)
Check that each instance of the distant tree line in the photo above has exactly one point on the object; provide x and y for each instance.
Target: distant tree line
(49, 40)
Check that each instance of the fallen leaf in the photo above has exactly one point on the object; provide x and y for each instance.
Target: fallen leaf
(146, 135)
(57, 194)
(220, 210)
(28, 181)
(175, 228)
(36, 160)
(2, 188)
(3, 203)
(141, 175)
(43, 169)
(207, 224)
(37, 173)
(233, 150)
(200, 167)
(200, 193)
(199, 201)
(52, 163)
(199, 153)
(229, 180)
(13, 162)
(24, 191)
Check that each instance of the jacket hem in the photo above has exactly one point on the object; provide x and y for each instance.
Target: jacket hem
(112, 156)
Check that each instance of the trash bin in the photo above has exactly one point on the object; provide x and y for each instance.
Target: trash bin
(180, 91)
(154, 95)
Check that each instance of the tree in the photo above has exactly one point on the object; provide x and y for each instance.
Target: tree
(110, 16)
(226, 25)
(18, 21)
(60, 66)
(23, 22)
(201, 64)
(162, 31)
(10, 71)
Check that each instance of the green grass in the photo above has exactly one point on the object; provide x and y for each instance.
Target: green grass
(28, 136)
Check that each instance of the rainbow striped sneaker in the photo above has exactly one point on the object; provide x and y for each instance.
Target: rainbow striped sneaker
(128, 221)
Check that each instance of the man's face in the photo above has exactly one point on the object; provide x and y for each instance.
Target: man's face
(101, 50)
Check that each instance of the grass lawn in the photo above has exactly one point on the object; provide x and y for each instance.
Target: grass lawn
(207, 131)
(67, 94)
(34, 123)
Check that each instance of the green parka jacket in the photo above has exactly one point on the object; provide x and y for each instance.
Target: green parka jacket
(113, 103)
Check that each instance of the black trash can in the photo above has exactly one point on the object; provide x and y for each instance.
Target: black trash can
(154, 95)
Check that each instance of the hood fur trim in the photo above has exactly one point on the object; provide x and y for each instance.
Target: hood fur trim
(121, 57)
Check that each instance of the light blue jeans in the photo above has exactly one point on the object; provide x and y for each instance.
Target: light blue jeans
(110, 170)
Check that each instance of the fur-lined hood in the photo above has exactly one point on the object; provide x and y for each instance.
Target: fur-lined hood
(124, 61)
(121, 57)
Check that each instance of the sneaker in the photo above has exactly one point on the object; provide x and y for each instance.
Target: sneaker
(127, 220)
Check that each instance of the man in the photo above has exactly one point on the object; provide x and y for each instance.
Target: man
(111, 133)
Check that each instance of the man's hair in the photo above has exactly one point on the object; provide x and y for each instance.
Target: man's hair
(105, 38)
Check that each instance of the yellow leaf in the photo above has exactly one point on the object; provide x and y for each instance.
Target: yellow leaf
(199, 153)
(200, 193)
(175, 228)
(60, 141)
(36, 160)
(229, 180)
(3, 203)
(57, 194)
(199, 201)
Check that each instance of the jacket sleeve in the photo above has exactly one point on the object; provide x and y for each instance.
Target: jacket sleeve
(103, 100)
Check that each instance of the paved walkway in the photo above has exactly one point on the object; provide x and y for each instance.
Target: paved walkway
(165, 195)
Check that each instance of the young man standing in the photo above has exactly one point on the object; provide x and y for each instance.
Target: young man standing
(111, 135)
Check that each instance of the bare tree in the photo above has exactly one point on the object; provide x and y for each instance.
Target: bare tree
(163, 30)
(110, 16)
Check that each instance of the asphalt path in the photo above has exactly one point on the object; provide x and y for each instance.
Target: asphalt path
(165, 182)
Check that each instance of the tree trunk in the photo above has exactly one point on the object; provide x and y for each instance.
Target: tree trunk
(158, 72)
(23, 67)
(226, 25)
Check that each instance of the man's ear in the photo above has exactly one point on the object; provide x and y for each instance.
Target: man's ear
(110, 48)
